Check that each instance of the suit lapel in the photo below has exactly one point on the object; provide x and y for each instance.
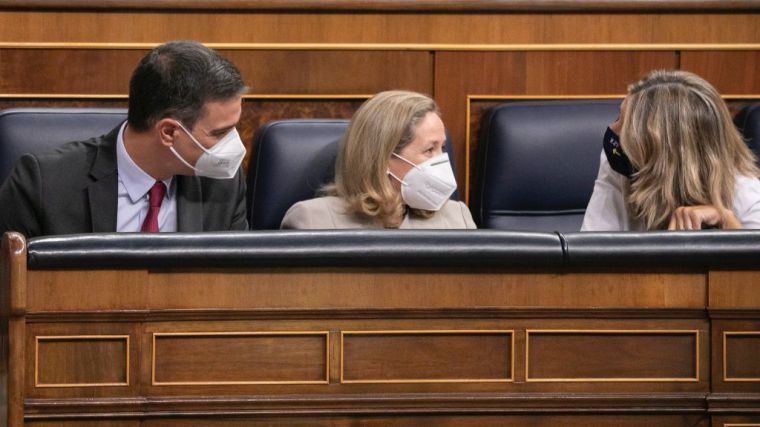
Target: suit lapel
(103, 190)
(189, 204)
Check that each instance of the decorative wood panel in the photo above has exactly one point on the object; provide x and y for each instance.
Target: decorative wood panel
(741, 356)
(588, 356)
(731, 72)
(426, 356)
(390, 288)
(224, 26)
(734, 289)
(81, 361)
(107, 71)
(735, 339)
(228, 358)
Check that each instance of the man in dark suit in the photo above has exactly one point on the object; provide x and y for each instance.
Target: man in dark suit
(174, 165)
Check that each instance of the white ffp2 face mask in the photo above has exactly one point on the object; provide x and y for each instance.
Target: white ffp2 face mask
(220, 161)
(427, 185)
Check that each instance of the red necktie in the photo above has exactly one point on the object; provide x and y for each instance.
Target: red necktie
(155, 197)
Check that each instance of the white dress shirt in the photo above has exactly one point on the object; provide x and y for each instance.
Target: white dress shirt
(607, 210)
(134, 184)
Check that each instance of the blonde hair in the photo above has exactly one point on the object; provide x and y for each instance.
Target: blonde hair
(384, 124)
(679, 135)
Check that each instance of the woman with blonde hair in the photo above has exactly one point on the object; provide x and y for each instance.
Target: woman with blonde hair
(391, 172)
(679, 162)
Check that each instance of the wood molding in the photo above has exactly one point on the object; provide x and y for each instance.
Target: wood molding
(547, 6)
(337, 404)
(363, 313)
(400, 46)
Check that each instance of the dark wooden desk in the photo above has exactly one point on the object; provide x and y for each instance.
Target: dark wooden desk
(380, 345)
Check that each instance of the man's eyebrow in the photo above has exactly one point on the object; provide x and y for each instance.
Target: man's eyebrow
(221, 131)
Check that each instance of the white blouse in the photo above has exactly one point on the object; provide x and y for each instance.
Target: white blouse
(606, 211)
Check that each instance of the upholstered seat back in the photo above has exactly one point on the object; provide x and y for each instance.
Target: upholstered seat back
(537, 163)
(291, 161)
(34, 130)
(748, 122)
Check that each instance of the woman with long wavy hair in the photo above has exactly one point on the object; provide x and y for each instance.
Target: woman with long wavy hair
(674, 160)
(392, 171)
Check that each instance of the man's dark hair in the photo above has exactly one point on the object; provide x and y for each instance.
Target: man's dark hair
(176, 80)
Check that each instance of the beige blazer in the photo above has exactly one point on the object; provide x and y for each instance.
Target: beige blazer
(325, 213)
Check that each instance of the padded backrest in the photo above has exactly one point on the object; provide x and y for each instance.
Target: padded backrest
(537, 163)
(34, 130)
(291, 161)
(748, 122)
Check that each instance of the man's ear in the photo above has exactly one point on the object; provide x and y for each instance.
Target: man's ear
(167, 131)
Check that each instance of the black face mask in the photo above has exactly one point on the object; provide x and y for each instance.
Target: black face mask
(615, 156)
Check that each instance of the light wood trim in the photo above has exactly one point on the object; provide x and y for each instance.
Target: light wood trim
(121, 96)
(326, 334)
(13, 263)
(555, 6)
(511, 333)
(612, 331)
(401, 46)
(39, 338)
(726, 378)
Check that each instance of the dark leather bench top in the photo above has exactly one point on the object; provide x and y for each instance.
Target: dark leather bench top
(359, 248)
(376, 248)
(713, 249)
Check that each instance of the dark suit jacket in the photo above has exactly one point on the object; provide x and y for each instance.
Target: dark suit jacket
(74, 189)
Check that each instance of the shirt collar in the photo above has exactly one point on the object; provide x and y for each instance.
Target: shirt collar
(135, 180)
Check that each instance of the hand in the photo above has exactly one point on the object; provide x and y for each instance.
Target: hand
(696, 217)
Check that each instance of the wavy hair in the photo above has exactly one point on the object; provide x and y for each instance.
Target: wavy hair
(384, 124)
(679, 135)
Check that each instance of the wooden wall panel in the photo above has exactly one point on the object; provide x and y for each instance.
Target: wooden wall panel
(60, 361)
(67, 71)
(742, 355)
(732, 72)
(388, 289)
(735, 351)
(734, 289)
(83, 360)
(439, 28)
(426, 356)
(587, 356)
(107, 71)
(239, 358)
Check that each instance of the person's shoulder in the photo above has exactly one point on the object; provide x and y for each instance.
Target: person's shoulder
(744, 181)
(319, 203)
(76, 151)
(746, 191)
(457, 214)
(312, 213)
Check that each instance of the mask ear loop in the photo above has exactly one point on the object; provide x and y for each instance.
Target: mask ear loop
(394, 176)
(405, 160)
(192, 138)
(176, 154)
